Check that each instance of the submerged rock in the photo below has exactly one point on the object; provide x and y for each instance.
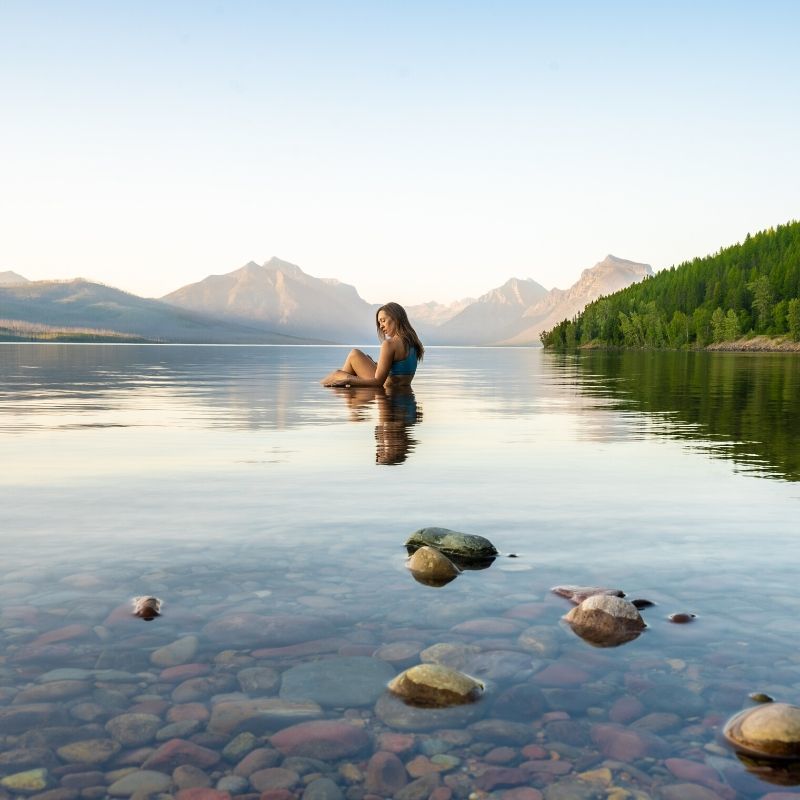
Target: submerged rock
(435, 686)
(466, 550)
(397, 714)
(605, 620)
(340, 681)
(427, 565)
(577, 594)
(323, 739)
(681, 618)
(146, 607)
(770, 730)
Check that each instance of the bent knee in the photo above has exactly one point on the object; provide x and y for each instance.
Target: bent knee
(355, 352)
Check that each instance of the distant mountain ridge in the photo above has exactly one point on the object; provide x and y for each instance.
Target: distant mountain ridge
(83, 304)
(9, 278)
(283, 298)
(279, 303)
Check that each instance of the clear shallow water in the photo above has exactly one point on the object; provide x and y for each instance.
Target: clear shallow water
(226, 481)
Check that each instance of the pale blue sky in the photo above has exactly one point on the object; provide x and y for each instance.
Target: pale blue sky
(418, 150)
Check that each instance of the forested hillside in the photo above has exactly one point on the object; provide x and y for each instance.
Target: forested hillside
(748, 289)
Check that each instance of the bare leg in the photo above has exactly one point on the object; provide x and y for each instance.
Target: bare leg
(358, 363)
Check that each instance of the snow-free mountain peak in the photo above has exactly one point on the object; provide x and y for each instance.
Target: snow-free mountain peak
(9, 278)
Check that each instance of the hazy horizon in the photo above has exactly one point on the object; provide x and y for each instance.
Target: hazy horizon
(423, 152)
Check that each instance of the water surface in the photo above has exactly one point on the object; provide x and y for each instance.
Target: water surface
(269, 514)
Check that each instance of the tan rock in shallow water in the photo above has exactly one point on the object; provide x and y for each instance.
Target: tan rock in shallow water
(771, 730)
(431, 567)
(435, 686)
(606, 621)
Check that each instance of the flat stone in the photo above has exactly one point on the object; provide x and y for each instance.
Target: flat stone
(178, 730)
(188, 777)
(22, 758)
(561, 673)
(273, 778)
(188, 711)
(179, 751)
(323, 739)
(238, 747)
(142, 781)
(202, 688)
(232, 784)
(82, 780)
(337, 682)
(435, 686)
(52, 691)
(89, 751)
(205, 793)
(397, 714)
(572, 789)
(385, 774)
(183, 672)
(449, 654)
(688, 791)
(246, 630)
(65, 634)
(260, 758)
(488, 626)
(133, 729)
(399, 652)
(21, 718)
(495, 777)
(28, 781)
(625, 744)
(322, 789)
(501, 665)
(258, 680)
(66, 674)
(502, 731)
(523, 702)
(181, 651)
(539, 640)
(259, 715)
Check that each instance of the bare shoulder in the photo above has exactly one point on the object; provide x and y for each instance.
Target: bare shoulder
(396, 347)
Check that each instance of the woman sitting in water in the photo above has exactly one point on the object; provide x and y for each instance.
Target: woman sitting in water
(401, 350)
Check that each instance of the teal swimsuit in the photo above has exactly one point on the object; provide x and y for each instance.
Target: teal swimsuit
(408, 366)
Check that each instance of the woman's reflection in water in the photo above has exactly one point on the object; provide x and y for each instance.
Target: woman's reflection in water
(398, 412)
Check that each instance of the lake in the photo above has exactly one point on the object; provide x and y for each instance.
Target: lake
(269, 515)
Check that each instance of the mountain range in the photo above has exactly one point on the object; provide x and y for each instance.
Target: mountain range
(278, 303)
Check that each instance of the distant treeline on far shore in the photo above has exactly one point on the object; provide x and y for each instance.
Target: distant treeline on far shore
(14, 330)
(747, 290)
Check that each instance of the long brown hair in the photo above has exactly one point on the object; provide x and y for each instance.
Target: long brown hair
(404, 329)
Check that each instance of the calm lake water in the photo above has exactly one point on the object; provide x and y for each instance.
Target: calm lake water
(269, 515)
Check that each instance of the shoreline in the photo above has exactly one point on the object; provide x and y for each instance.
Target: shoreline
(756, 344)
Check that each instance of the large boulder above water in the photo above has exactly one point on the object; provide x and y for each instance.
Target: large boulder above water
(465, 550)
(435, 686)
(605, 621)
(427, 565)
(771, 730)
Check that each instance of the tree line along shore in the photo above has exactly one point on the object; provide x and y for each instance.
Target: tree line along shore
(744, 297)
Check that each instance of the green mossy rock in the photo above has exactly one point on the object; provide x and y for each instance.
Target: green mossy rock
(466, 550)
